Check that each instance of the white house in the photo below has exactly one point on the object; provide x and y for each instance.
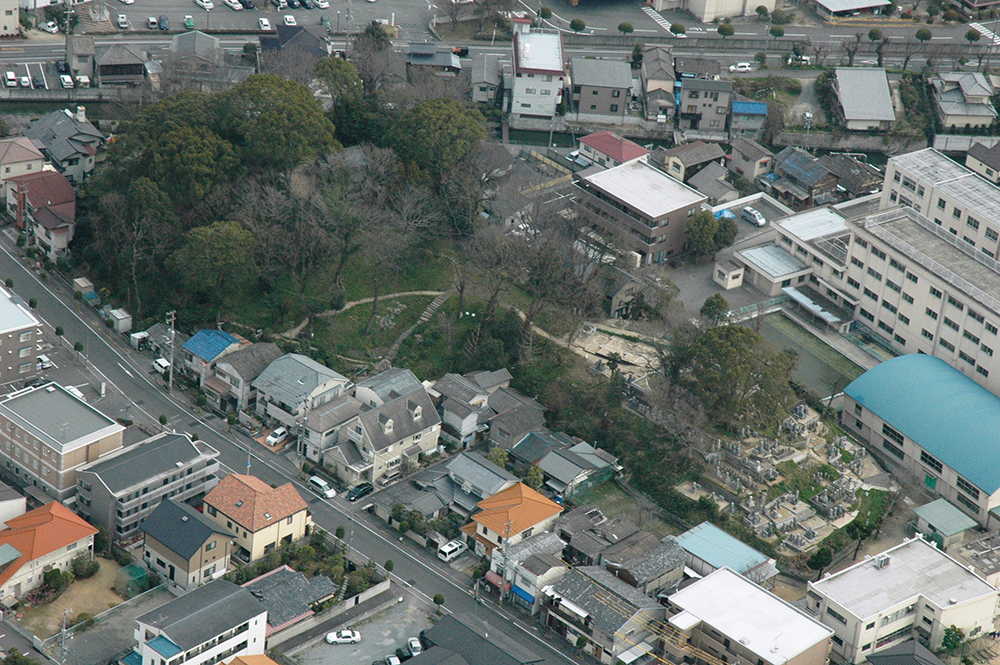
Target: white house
(539, 71)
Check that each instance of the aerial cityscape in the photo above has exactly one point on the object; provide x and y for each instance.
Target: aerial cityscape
(482, 332)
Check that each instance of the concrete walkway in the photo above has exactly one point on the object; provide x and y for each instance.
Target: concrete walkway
(835, 341)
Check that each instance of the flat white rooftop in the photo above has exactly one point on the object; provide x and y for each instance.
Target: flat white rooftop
(14, 314)
(813, 224)
(646, 189)
(742, 611)
(773, 260)
(915, 567)
(539, 50)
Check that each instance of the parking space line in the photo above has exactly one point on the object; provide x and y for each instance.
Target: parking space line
(45, 83)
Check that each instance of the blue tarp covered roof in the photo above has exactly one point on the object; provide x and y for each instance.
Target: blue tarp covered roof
(208, 344)
(750, 108)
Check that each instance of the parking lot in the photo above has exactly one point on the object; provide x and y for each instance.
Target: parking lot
(381, 635)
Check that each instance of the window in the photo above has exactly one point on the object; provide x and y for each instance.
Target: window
(866, 314)
(909, 184)
(910, 276)
(931, 313)
(616, 93)
(991, 234)
(980, 370)
(972, 222)
(976, 315)
(893, 196)
(967, 502)
(614, 108)
(211, 510)
(839, 617)
(956, 213)
(895, 176)
(866, 647)
(897, 452)
(878, 252)
(884, 326)
(931, 461)
(289, 520)
(530, 91)
(871, 294)
(889, 306)
(899, 340)
(870, 626)
(24, 368)
(951, 324)
(926, 333)
(546, 92)
(25, 336)
(894, 286)
(967, 487)
(211, 546)
(874, 273)
(969, 336)
(991, 329)
(857, 262)
(593, 107)
(905, 320)
(836, 640)
(954, 303)
(966, 357)
(987, 350)
(892, 433)
(897, 265)
(948, 345)
(935, 292)
(854, 283)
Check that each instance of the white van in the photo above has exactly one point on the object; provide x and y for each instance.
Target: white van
(451, 551)
(161, 365)
(321, 487)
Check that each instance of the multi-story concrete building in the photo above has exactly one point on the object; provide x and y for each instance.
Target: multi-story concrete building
(728, 616)
(207, 626)
(47, 434)
(539, 71)
(914, 413)
(639, 206)
(913, 590)
(601, 89)
(20, 333)
(120, 490)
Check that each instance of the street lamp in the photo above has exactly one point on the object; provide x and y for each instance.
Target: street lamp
(338, 21)
(208, 20)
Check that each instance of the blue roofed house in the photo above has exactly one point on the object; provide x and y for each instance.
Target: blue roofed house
(709, 548)
(920, 414)
(293, 384)
(200, 353)
(746, 118)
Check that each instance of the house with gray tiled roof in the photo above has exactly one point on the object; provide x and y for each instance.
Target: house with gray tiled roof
(654, 570)
(120, 64)
(514, 416)
(530, 566)
(570, 470)
(184, 546)
(462, 402)
(323, 424)
(293, 384)
(601, 89)
(964, 99)
(288, 596)
(69, 141)
(231, 384)
(985, 160)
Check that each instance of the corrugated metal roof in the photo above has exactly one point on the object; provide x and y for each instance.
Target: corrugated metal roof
(943, 411)
(717, 548)
(944, 517)
(864, 93)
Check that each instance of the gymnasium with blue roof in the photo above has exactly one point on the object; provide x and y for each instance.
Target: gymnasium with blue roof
(919, 412)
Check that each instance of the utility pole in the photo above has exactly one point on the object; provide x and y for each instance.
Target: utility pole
(300, 441)
(503, 573)
(171, 333)
(62, 637)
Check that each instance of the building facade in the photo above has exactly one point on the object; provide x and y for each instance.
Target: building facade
(184, 546)
(539, 72)
(601, 88)
(20, 334)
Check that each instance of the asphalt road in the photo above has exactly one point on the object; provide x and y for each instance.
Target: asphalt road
(128, 374)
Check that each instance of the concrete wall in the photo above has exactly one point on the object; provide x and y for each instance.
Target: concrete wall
(891, 145)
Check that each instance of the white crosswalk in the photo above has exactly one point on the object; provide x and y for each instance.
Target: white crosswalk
(986, 32)
(660, 21)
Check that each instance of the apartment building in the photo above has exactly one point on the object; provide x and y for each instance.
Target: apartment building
(644, 207)
(539, 71)
(913, 590)
(120, 490)
(20, 333)
(914, 412)
(47, 434)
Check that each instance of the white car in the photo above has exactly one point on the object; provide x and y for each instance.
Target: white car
(51, 26)
(322, 4)
(66, 81)
(122, 22)
(288, 19)
(263, 24)
(343, 637)
(25, 82)
(234, 5)
(205, 4)
(43, 360)
(392, 660)
(741, 68)
(127, 2)
(413, 644)
(277, 436)
(10, 79)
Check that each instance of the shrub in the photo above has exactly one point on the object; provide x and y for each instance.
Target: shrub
(84, 567)
(545, 13)
(339, 533)
(59, 331)
(83, 621)
(54, 579)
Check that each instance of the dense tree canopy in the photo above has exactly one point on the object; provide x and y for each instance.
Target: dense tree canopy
(438, 134)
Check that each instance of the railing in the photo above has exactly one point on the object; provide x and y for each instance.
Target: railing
(764, 304)
(871, 337)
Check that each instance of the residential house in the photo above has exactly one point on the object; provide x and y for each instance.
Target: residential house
(609, 149)
(288, 596)
(728, 616)
(652, 572)
(487, 77)
(47, 434)
(386, 386)
(527, 568)
(644, 207)
(539, 71)
(514, 416)
(10, 18)
(428, 492)
(40, 540)
(579, 468)
(230, 387)
(709, 548)
(381, 441)
(293, 384)
(323, 424)
(197, 62)
(746, 118)
(620, 290)
(44, 205)
(430, 56)
(200, 353)
(942, 523)
(601, 89)
(295, 47)
(910, 591)
(964, 99)
(81, 54)
(864, 100)
(615, 619)
(657, 79)
(69, 142)
(985, 160)
(475, 479)
(475, 641)
(510, 516)
(749, 159)
(854, 179)
(18, 156)
(704, 105)
(120, 64)
(587, 533)
(685, 160)
(801, 180)
(711, 181)
(119, 490)
(184, 546)
(259, 659)
(535, 445)
(696, 68)
(262, 517)
(462, 402)
(207, 625)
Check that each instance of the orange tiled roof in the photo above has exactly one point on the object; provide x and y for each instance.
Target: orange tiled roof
(252, 503)
(42, 531)
(518, 506)
(251, 660)
(470, 530)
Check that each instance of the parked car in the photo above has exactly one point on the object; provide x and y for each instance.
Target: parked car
(360, 491)
(324, 22)
(62, 66)
(43, 360)
(263, 24)
(248, 4)
(66, 81)
(321, 487)
(151, 23)
(51, 26)
(741, 67)
(753, 216)
(37, 83)
(307, 4)
(122, 22)
(161, 365)
(205, 4)
(127, 2)
(280, 4)
(391, 659)
(277, 436)
(343, 637)
(10, 80)
(234, 5)
(164, 23)
(288, 19)
(25, 82)
(322, 4)
(413, 646)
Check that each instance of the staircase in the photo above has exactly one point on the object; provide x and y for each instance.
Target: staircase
(424, 318)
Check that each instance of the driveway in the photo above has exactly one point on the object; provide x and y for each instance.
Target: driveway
(806, 101)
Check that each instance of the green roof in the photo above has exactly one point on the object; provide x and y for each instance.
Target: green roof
(944, 517)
